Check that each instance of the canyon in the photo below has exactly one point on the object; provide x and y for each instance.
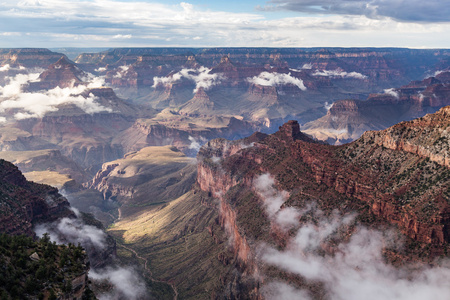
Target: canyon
(191, 167)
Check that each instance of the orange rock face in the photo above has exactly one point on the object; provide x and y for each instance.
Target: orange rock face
(401, 174)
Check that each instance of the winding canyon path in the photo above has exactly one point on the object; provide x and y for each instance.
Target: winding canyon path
(149, 272)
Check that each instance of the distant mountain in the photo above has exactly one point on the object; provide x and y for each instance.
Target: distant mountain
(347, 120)
(28, 57)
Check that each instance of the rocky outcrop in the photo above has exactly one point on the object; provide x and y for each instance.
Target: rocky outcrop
(426, 137)
(181, 131)
(403, 186)
(200, 105)
(63, 73)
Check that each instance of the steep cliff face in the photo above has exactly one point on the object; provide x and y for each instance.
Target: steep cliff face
(403, 186)
(25, 203)
(15, 139)
(84, 138)
(384, 186)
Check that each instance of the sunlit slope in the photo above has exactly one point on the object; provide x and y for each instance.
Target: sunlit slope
(182, 243)
(148, 177)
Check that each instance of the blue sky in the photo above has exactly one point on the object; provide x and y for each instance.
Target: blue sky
(232, 23)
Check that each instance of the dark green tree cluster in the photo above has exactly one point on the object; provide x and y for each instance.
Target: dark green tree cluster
(23, 276)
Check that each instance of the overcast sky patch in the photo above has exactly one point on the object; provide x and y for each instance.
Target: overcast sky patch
(278, 23)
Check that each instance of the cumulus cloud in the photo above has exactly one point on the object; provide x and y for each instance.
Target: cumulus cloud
(328, 106)
(392, 92)
(201, 77)
(127, 284)
(277, 79)
(355, 269)
(99, 23)
(37, 104)
(339, 73)
(409, 11)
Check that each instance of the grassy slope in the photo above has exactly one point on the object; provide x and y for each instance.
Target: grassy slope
(178, 245)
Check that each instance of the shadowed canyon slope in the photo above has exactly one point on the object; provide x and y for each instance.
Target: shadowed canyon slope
(24, 205)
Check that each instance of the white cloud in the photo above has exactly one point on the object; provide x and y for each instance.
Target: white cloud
(273, 200)
(67, 230)
(127, 284)
(339, 73)
(356, 269)
(440, 72)
(110, 23)
(201, 77)
(392, 92)
(121, 36)
(7, 68)
(194, 144)
(37, 104)
(14, 87)
(277, 79)
(101, 69)
(328, 106)
(121, 71)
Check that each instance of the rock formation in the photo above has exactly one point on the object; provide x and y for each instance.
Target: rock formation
(399, 175)
(347, 120)
(25, 203)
